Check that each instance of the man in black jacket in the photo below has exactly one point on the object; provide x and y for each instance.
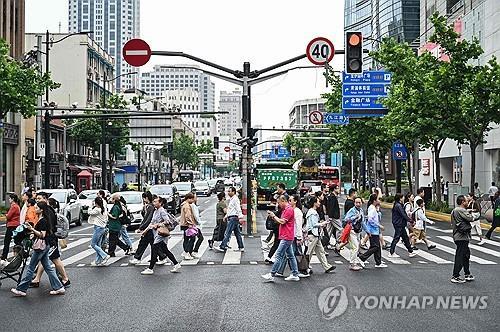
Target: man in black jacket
(148, 237)
(349, 202)
(333, 212)
(400, 220)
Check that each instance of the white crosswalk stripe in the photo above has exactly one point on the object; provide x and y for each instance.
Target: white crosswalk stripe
(475, 247)
(423, 254)
(232, 257)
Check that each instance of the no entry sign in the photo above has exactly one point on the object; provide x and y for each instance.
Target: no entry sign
(227, 149)
(320, 50)
(136, 52)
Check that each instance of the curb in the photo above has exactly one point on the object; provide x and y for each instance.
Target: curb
(437, 216)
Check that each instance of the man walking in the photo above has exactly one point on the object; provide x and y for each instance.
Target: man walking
(349, 202)
(492, 191)
(233, 225)
(286, 236)
(333, 212)
(461, 222)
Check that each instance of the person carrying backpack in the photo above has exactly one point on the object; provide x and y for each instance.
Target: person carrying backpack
(354, 220)
(125, 220)
(419, 228)
(400, 221)
(115, 226)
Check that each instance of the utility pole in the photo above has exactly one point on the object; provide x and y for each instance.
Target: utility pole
(104, 175)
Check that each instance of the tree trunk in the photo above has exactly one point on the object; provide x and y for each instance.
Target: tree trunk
(473, 147)
(408, 170)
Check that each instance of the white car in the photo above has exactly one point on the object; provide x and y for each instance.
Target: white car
(228, 182)
(69, 205)
(237, 180)
(86, 198)
(202, 188)
(184, 188)
(134, 206)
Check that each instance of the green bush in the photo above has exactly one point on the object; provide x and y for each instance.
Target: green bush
(439, 207)
(364, 194)
(388, 199)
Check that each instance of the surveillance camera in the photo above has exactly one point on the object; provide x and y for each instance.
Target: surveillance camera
(74, 105)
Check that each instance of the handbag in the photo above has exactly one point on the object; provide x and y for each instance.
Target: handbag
(191, 231)
(39, 245)
(163, 231)
(302, 262)
(270, 223)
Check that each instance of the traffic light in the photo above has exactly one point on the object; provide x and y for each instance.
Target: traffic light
(216, 143)
(354, 52)
(234, 156)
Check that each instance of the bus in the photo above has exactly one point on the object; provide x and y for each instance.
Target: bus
(189, 176)
(329, 175)
(268, 175)
(307, 169)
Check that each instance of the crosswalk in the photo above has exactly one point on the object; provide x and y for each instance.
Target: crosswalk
(79, 253)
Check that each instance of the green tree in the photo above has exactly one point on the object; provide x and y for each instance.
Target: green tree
(184, 151)
(20, 85)
(205, 146)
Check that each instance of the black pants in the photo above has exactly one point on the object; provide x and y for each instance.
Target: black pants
(114, 240)
(276, 243)
(374, 250)
(158, 248)
(199, 241)
(188, 241)
(494, 224)
(400, 233)
(462, 258)
(144, 242)
(270, 236)
(219, 230)
(6, 241)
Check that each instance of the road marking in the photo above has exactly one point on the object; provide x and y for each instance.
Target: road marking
(472, 258)
(423, 262)
(473, 246)
(81, 265)
(81, 229)
(210, 263)
(423, 254)
(339, 262)
(75, 258)
(120, 255)
(76, 243)
(201, 251)
(449, 231)
(493, 243)
(232, 257)
(253, 263)
(172, 242)
(124, 264)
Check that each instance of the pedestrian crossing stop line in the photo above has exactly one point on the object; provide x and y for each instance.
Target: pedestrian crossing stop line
(423, 254)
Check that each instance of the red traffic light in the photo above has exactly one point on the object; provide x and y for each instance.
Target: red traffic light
(354, 52)
(355, 39)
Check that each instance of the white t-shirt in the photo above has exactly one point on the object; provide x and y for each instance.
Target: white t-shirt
(299, 219)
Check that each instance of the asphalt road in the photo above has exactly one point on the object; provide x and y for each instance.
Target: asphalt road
(216, 296)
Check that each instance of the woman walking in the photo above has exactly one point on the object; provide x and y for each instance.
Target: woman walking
(12, 222)
(419, 228)
(400, 221)
(496, 218)
(373, 228)
(475, 210)
(197, 218)
(221, 224)
(187, 221)
(115, 226)
(40, 254)
(159, 219)
(98, 216)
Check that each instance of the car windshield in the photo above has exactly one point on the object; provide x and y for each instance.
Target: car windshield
(59, 196)
(88, 195)
(201, 184)
(212, 182)
(183, 186)
(161, 190)
(132, 197)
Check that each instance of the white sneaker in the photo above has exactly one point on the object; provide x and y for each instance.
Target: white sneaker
(195, 255)
(363, 264)
(162, 262)
(134, 261)
(241, 250)
(105, 260)
(59, 291)
(17, 292)
(176, 268)
(93, 263)
(412, 254)
(393, 255)
(188, 257)
(381, 265)
(480, 243)
(268, 277)
(183, 254)
(291, 277)
(302, 275)
(420, 241)
(147, 271)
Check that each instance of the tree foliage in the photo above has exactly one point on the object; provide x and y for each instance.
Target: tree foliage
(184, 151)
(21, 84)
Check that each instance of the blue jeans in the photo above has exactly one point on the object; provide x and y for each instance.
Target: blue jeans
(285, 248)
(295, 249)
(233, 225)
(125, 237)
(42, 257)
(99, 232)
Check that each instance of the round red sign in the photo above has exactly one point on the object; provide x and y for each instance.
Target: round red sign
(227, 149)
(136, 52)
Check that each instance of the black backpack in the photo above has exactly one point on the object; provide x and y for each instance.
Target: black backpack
(126, 216)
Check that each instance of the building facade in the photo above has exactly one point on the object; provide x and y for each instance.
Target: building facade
(113, 23)
(471, 18)
(228, 123)
(298, 115)
(13, 145)
(178, 77)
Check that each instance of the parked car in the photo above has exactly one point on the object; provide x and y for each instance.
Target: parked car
(134, 206)
(170, 193)
(184, 188)
(219, 186)
(69, 205)
(202, 188)
(306, 185)
(86, 198)
(212, 183)
(229, 182)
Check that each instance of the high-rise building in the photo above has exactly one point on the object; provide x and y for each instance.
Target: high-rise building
(378, 19)
(162, 78)
(228, 123)
(113, 23)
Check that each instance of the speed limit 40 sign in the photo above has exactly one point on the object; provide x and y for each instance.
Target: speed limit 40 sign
(320, 50)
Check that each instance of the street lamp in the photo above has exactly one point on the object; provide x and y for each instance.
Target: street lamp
(49, 43)
(104, 175)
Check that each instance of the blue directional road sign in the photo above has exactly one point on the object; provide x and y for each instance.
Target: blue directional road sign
(367, 77)
(399, 151)
(364, 102)
(335, 118)
(376, 89)
(322, 159)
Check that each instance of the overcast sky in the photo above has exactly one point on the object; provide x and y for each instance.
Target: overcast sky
(229, 32)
